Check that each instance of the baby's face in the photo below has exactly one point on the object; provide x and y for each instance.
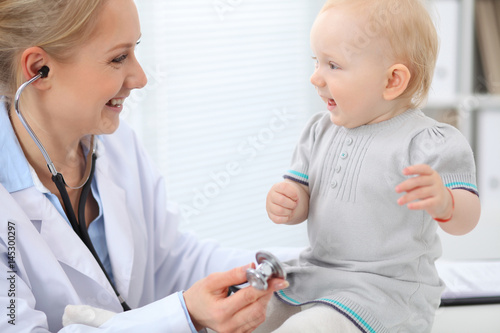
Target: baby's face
(351, 67)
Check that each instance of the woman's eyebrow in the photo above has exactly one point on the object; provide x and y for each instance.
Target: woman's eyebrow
(125, 45)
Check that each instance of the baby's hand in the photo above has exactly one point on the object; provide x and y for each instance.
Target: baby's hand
(281, 202)
(425, 191)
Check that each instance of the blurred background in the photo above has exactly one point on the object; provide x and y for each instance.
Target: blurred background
(229, 93)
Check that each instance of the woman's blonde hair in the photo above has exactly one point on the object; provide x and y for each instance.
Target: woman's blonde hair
(412, 36)
(57, 26)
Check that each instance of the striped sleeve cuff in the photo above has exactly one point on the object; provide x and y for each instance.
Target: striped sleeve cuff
(296, 176)
(463, 186)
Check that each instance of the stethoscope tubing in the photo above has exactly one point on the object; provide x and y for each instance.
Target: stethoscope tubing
(46, 156)
(50, 164)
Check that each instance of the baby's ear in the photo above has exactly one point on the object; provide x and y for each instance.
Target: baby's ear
(397, 79)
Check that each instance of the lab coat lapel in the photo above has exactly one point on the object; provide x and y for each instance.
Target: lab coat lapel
(120, 231)
(63, 242)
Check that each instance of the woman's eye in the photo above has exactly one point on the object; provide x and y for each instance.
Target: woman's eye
(119, 59)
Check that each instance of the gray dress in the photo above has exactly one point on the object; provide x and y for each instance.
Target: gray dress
(370, 258)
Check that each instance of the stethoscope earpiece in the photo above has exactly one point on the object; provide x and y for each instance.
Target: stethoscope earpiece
(44, 72)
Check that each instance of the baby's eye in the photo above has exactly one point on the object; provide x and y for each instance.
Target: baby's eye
(316, 63)
(333, 66)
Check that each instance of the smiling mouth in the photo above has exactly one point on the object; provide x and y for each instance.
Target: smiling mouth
(331, 102)
(116, 102)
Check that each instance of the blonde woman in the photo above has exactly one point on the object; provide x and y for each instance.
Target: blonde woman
(93, 229)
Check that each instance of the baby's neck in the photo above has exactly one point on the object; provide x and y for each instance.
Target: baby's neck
(390, 109)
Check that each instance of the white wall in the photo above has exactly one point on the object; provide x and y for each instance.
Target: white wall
(219, 72)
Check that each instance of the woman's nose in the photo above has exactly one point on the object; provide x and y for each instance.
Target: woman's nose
(137, 78)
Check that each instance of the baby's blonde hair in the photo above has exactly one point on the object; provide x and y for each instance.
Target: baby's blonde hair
(57, 26)
(412, 36)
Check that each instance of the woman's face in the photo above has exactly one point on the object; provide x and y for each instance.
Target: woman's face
(88, 92)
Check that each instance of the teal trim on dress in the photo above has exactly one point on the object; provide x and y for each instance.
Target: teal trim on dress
(340, 305)
(298, 174)
(351, 312)
(461, 184)
(288, 298)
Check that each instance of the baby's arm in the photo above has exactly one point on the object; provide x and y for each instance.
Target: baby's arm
(288, 202)
(426, 191)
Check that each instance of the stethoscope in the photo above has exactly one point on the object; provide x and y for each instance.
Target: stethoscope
(79, 225)
(268, 267)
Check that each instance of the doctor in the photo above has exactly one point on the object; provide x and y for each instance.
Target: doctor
(88, 45)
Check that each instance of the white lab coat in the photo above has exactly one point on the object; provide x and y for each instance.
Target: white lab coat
(150, 259)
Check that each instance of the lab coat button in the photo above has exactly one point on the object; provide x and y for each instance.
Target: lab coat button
(343, 155)
(338, 168)
(334, 184)
(349, 141)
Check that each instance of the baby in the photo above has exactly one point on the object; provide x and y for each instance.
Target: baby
(373, 176)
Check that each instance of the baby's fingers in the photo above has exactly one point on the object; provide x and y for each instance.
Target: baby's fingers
(424, 204)
(418, 169)
(280, 208)
(414, 183)
(279, 219)
(420, 193)
(283, 201)
(286, 189)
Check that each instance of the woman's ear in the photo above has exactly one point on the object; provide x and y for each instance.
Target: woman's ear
(398, 77)
(32, 59)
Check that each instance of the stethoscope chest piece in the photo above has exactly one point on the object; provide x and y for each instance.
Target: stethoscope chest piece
(269, 267)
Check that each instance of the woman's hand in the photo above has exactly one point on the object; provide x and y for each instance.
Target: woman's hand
(209, 306)
(425, 191)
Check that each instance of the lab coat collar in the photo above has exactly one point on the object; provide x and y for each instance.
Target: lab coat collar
(14, 168)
